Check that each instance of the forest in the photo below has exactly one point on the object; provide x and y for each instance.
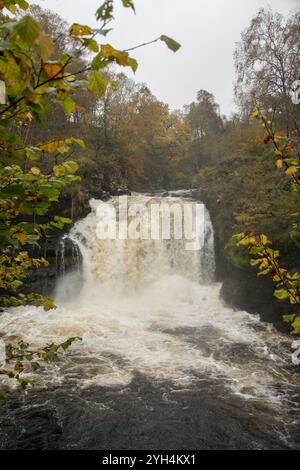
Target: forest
(75, 127)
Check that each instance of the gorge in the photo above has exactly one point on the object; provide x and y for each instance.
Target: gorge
(163, 361)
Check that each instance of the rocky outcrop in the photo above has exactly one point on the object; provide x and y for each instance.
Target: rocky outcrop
(241, 288)
(63, 256)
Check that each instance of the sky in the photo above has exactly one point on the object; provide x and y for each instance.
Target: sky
(206, 29)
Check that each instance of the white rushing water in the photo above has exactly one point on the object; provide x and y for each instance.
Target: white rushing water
(150, 306)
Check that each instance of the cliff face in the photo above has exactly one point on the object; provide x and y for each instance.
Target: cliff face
(62, 255)
(241, 288)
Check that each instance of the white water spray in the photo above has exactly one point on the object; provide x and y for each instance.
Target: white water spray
(151, 307)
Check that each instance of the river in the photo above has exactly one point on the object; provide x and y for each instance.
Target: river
(163, 362)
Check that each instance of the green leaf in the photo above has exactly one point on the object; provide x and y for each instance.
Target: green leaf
(68, 105)
(69, 342)
(91, 44)
(264, 273)
(133, 64)
(49, 305)
(128, 4)
(296, 326)
(97, 83)
(50, 192)
(63, 220)
(27, 29)
(105, 12)
(281, 294)
(289, 318)
(255, 262)
(23, 4)
(46, 46)
(32, 153)
(24, 383)
(74, 140)
(171, 43)
(35, 366)
(50, 356)
(71, 167)
(100, 62)
(13, 190)
(66, 168)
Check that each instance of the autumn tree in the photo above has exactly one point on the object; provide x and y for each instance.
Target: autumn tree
(139, 143)
(203, 117)
(267, 64)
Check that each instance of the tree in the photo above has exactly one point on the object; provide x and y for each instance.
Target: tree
(205, 123)
(267, 63)
(139, 143)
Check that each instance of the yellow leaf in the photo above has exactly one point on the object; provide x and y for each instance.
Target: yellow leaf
(63, 148)
(279, 163)
(12, 8)
(296, 323)
(49, 305)
(290, 148)
(264, 239)
(248, 241)
(21, 237)
(51, 146)
(44, 262)
(255, 113)
(53, 69)
(69, 77)
(80, 30)
(121, 57)
(292, 170)
(35, 171)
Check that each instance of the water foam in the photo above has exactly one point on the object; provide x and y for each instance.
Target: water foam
(151, 307)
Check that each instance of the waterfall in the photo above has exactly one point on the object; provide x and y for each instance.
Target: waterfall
(132, 263)
(150, 305)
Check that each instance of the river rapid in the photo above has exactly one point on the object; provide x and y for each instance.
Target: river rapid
(163, 362)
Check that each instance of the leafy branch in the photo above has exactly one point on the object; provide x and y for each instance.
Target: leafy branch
(20, 360)
(259, 247)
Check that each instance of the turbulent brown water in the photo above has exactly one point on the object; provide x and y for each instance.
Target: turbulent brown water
(163, 363)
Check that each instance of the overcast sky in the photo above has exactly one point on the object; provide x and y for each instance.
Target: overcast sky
(207, 30)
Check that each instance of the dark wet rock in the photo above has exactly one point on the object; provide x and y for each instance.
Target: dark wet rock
(63, 256)
(120, 192)
(241, 288)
